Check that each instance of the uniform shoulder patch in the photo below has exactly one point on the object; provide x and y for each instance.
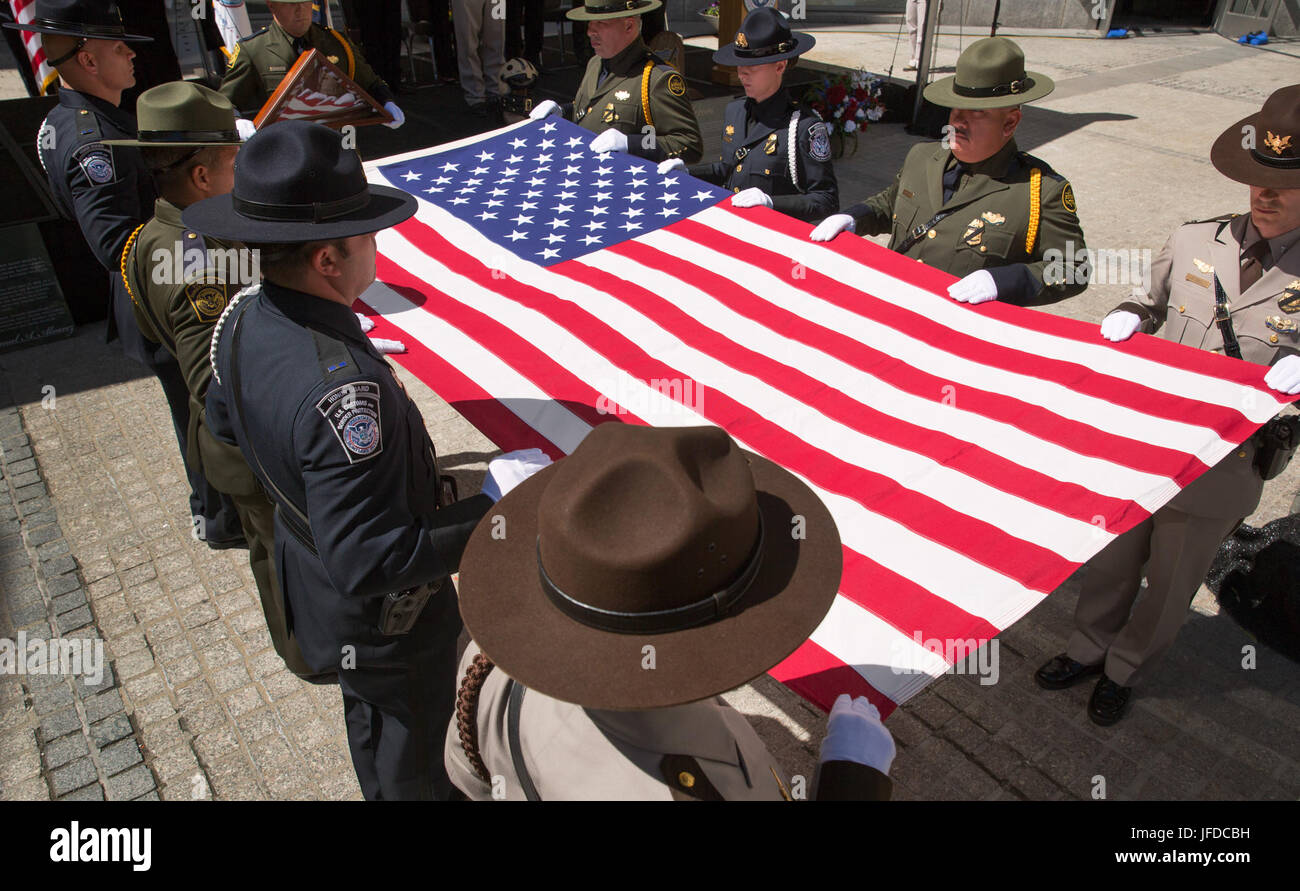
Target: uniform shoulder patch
(819, 142)
(352, 411)
(676, 84)
(208, 293)
(1067, 199)
(96, 161)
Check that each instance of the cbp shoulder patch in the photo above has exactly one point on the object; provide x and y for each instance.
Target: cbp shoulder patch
(352, 411)
(207, 293)
(97, 163)
(676, 84)
(1067, 199)
(819, 142)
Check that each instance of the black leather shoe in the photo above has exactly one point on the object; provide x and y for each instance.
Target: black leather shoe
(1109, 702)
(1062, 671)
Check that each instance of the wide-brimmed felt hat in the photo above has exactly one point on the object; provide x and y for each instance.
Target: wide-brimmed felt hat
(598, 10)
(180, 114)
(652, 567)
(1264, 148)
(92, 19)
(990, 74)
(764, 37)
(294, 183)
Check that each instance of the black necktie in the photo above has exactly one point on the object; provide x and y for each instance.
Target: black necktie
(951, 179)
(1253, 259)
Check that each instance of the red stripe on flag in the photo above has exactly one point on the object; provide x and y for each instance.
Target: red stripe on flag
(820, 677)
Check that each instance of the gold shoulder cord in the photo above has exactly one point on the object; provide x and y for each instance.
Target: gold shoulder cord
(645, 90)
(126, 252)
(1035, 203)
(347, 48)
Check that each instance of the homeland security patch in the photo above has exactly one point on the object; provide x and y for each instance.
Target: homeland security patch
(352, 410)
(97, 164)
(206, 292)
(1067, 199)
(819, 142)
(676, 85)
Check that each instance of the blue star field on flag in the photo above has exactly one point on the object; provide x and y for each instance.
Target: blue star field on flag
(540, 193)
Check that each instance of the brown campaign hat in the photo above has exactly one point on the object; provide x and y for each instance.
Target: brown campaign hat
(990, 74)
(1264, 149)
(652, 567)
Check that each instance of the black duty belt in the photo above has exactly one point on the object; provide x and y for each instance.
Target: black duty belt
(1223, 316)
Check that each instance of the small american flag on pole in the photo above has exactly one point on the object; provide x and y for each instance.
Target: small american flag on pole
(973, 458)
(43, 75)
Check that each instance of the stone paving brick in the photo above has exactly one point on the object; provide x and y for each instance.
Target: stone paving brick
(295, 709)
(65, 749)
(57, 724)
(51, 699)
(157, 709)
(130, 784)
(93, 792)
(74, 619)
(110, 730)
(73, 776)
(230, 677)
(119, 756)
(103, 705)
(65, 602)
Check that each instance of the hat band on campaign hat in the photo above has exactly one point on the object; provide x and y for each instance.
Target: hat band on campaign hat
(89, 30)
(614, 7)
(1274, 161)
(316, 212)
(188, 136)
(663, 621)
(1023, 85)
(783, 47)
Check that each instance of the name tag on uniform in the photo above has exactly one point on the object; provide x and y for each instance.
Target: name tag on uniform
(1197, 280)
(907, 194)
(274, 68)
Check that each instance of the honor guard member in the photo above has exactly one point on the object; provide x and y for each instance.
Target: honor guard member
(363, 547)
(629, 96)
(262, 59)
(1230, 285)
(180, 282)
(109, 192)
(982, 209)
(642, 576)
(775, 153)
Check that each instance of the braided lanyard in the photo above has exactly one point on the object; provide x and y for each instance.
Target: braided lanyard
(1035, 205)
(216, 329)
(126, 251)
(792, 149)
(645, 91)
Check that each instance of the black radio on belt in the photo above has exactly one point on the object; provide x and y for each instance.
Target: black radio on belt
(402, 608)
(1275, 444)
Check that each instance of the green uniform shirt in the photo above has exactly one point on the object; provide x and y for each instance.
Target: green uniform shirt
(670, 131)
(262, 59)
(987, 223)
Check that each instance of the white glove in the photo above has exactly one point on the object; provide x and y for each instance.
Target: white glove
(609, 141)
(544, 108)
(751, 198)
(831, 226)
(387, 346)
(366, 323)
(1120, 325)
(1285, 375)
(509, 470)
(244, 127)
(398, 118)
(855, 733)
(978, 287)
(666, 167)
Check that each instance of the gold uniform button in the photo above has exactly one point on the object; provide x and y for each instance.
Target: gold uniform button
(1241, 454)
(686, 779)
(739, 167)
(1182, 308)
(931, 234)
(1272, 338)
(983, 249)
(190, 235)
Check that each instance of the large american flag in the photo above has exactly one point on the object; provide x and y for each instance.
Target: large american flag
(972, 457)
(44, 75)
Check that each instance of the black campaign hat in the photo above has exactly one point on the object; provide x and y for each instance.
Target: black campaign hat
(764, 37)
(295, 183)
(91, 19)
